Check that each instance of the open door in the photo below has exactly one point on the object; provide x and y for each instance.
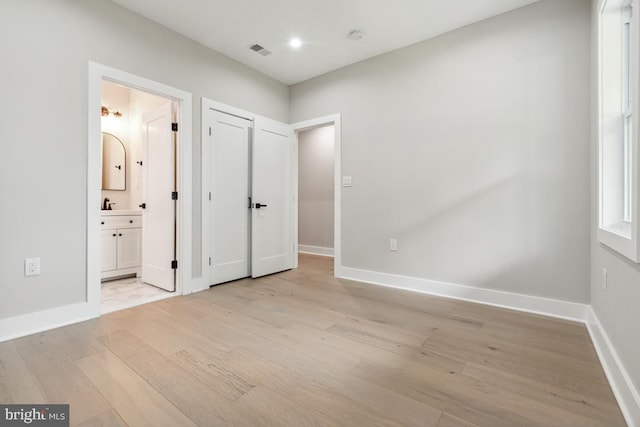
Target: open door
(229, 198)
(272, 198)
(159, 204)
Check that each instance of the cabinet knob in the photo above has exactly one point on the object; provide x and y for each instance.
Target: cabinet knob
(102, 222)
(120, 234)
(114, 234)
(130, 221)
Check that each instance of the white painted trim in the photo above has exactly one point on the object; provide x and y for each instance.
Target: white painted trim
(31, 323)
(315, 250)
(336, 121)
(97, 73)
(626, 394)
(530, 304)
(209, 104)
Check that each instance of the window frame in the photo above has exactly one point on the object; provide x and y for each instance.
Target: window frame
(618, 192)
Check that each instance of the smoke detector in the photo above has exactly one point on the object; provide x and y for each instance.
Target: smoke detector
(355, 35)
(259, 49)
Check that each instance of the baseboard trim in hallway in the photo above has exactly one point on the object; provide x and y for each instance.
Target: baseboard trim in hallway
(316, 250)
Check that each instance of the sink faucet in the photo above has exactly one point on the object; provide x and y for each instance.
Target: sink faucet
(105, 204)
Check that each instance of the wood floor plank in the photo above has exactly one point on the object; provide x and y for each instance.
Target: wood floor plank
(106, 419)
(482, 313)
(384, 336)
(201, 400)
(77, 342)
(17, 385)
(60, 379)
(555, 342)
(439, 393)
(600, 407)
(471, 345)
(338, 407)
(211, 370)
(379, 400)
(133, 398)
(448, 420)
(265, 407)
(399, 316)
(522, 362)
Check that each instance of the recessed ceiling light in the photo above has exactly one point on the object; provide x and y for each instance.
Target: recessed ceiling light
(295, 42)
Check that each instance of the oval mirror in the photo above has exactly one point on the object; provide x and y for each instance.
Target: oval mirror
(114, 165)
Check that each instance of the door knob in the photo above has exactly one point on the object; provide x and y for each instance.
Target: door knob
(143, 206)
(259, 205)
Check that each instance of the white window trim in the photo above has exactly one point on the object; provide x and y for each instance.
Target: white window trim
(622, 236)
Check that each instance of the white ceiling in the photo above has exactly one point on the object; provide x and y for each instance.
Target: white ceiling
(230, 27)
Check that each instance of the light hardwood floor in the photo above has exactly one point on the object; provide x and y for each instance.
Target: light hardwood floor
(301, 348)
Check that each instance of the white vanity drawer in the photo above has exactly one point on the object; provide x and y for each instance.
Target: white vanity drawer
(123, 221)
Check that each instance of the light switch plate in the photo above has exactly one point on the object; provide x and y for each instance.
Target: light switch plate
(346, 181)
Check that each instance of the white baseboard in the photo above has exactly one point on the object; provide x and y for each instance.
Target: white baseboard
(623, 388)
(31, 323)
(530, 304)
(315, 250)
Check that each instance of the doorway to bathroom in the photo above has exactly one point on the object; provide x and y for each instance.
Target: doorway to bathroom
(137, 222)
(137, 226)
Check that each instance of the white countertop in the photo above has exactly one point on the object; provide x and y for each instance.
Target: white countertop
(116, 212)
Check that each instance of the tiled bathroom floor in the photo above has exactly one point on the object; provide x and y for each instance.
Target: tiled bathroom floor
(129, 292)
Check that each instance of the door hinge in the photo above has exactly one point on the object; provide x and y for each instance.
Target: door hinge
(209, 195)
(209, 130)
(174, 264)
(174, 127)
(174, 195)
(209, 260)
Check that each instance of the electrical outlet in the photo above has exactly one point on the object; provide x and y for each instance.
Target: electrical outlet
(605, 284)
(32, 266)
(393, 244)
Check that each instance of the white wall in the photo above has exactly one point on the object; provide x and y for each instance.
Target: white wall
(472, 149)
(46, 46)
(617, 308)
(316, 187)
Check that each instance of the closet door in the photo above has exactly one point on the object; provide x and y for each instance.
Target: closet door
(230, 226)
(272, 198)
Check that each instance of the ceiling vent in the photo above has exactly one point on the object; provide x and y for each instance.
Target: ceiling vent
(259, 49)
(355, 35)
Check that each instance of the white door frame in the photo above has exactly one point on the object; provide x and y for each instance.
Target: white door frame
(97, 73)
(335, 120)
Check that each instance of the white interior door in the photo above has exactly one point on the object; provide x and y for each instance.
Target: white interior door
(159, 210)
(272, 197)
(230, 227)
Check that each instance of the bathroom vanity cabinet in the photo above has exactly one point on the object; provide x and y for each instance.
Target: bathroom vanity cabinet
(121, 243)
